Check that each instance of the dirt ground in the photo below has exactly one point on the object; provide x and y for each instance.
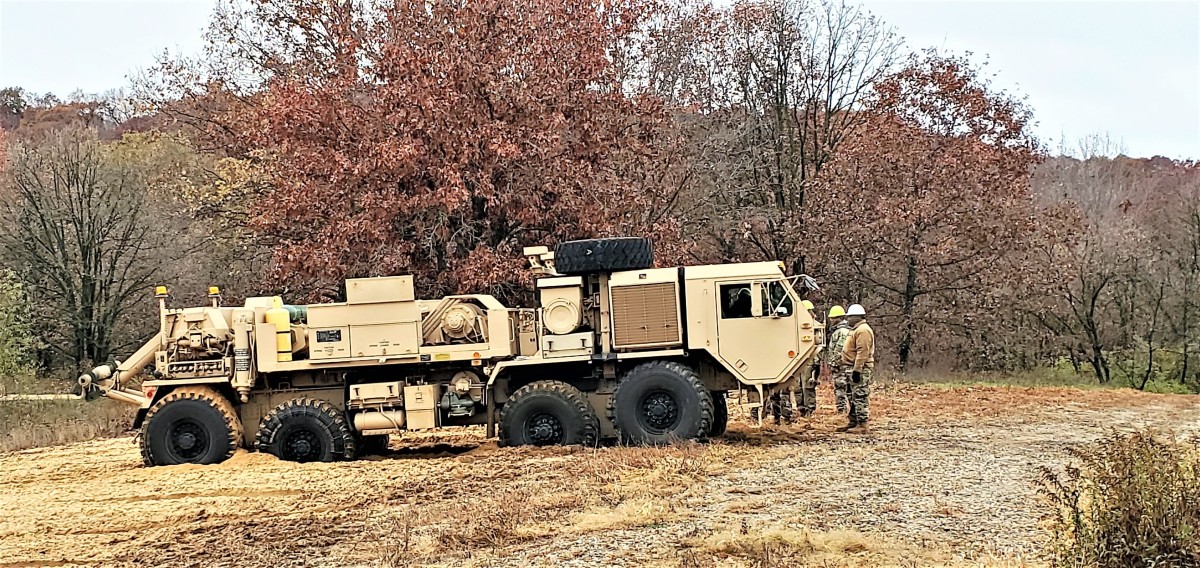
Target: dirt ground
(945, 477)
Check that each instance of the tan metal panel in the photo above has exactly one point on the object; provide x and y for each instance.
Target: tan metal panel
(646, 315)
(420, 404)
(384, 339)
(376, 393)
(377, 290)
(559, 282)
(647, 276)
(331, 315)
(568, 345)
(328, 342)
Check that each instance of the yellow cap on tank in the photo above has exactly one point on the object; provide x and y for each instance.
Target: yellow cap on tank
(213, 291)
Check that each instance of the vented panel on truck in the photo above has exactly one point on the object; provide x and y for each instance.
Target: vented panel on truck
(646, 315)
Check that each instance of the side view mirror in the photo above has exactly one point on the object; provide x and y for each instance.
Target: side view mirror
(781, 311)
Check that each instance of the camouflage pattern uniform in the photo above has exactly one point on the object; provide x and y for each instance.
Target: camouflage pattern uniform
(833, 357)
(809, 378)
(858, 356)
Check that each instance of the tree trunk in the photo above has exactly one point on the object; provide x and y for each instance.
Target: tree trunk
(910, 296)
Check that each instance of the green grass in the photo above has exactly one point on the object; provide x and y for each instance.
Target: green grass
(1042, 377)
(1061, 375)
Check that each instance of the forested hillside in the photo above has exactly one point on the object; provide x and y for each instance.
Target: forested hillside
(315, 141)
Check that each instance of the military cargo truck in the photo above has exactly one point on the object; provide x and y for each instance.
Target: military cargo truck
(613, 350)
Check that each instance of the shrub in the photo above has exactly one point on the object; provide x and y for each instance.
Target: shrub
(16, 334)
(1128, 501)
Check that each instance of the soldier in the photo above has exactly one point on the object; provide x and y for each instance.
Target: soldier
(809, 377)
(858, 362)
(833, 357)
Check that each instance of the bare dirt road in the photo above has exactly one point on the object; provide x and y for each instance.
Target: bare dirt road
(946, 476)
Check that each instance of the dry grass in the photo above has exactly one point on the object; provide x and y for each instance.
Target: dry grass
(746, 545)
(28, 424)
(35, 424)
(580, 492)
(760, 497)
(634, 513)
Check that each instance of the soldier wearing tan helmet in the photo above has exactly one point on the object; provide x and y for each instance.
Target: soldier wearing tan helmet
(858, 363)
(833, 357)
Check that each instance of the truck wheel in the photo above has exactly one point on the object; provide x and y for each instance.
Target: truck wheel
(720, 415)
(306, 430)
(548, 413)
(661, 402)
(603, 255)
(190, 425)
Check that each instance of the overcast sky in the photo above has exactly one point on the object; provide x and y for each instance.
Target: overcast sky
(1130, 69)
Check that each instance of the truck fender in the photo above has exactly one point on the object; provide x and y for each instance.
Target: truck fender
(157, 395)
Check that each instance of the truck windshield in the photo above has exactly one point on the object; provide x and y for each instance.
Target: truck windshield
(777, 299)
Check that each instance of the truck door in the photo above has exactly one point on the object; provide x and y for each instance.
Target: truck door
(757, 330)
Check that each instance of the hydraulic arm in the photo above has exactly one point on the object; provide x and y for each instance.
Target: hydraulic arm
(111, 379)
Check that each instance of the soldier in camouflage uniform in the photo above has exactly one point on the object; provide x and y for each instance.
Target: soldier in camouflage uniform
(858, 363)
(833, 357)
(809, 377)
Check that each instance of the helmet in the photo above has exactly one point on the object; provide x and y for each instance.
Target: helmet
(836, 312)
(856, 310)
(807, 304)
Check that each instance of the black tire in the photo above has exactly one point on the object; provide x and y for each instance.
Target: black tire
(603, 255)
(373, 445)
(720, 415)
(190, 425)
(660, 403)
(548, 413)
(306, 430)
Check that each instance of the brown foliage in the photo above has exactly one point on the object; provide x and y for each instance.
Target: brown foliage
(438, 139)
(930, 204)
(1125, 303)
(773, 83)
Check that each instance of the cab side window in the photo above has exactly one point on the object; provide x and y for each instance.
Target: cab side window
(776, 300)
(736, 301)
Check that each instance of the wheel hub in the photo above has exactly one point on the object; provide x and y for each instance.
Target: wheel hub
(188, 440)
(660, 412)
(544, 429)
(302, 445)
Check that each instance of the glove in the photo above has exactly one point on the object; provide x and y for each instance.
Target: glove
(856, 376)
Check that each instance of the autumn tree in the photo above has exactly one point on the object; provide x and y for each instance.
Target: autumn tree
(434, 138)
(928, 203)
(74, 233)
(1125, 302)
(773, 87)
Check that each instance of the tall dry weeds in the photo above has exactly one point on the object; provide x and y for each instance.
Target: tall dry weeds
(35, 424)
(1128, 501)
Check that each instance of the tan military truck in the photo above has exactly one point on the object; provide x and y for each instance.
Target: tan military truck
(614, 350)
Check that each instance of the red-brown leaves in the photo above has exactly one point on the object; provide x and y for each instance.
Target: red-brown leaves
(439, 138)
(929, 205)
